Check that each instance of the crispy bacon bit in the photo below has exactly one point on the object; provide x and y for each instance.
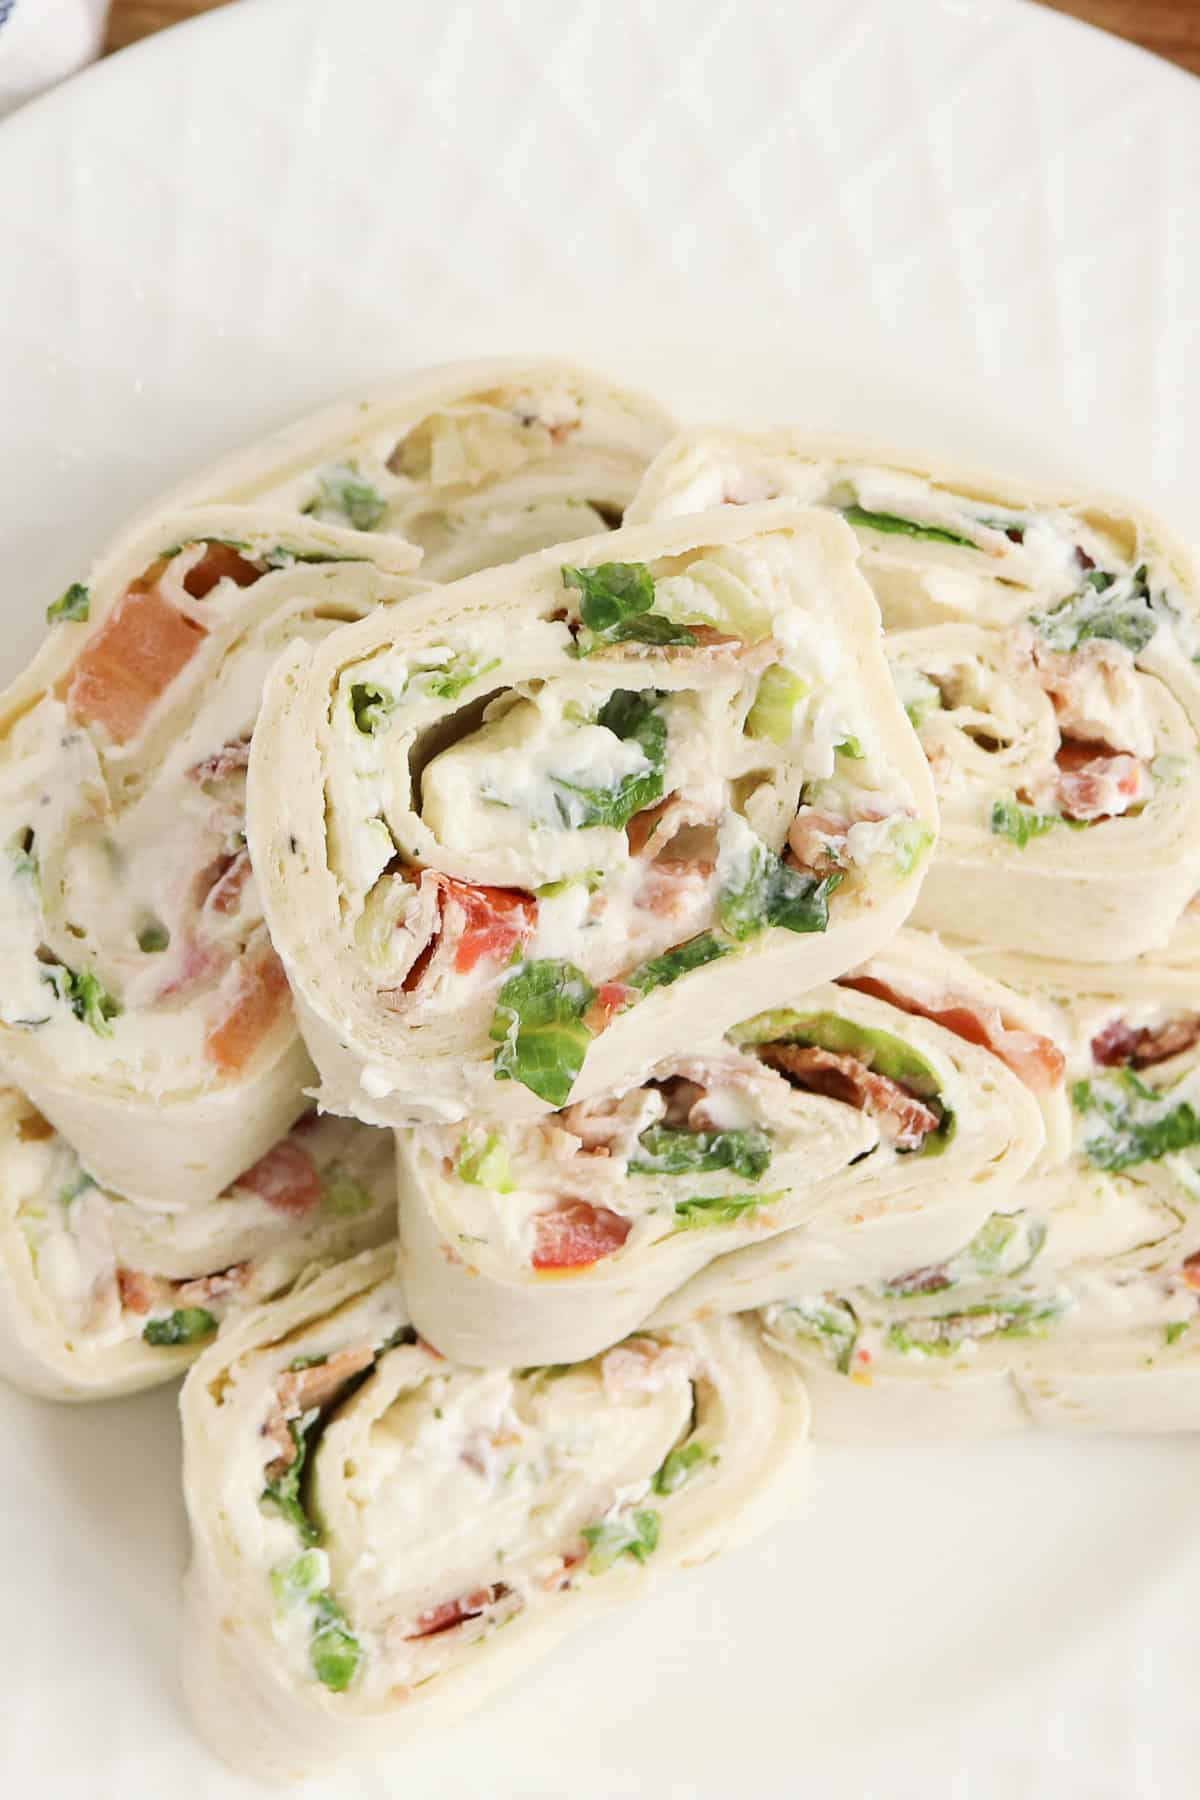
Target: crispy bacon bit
(213, 1287)
(130, 662)
(228, 760)
(137, 1290)
(817, 841)
(454, 1612)
(1036, 1060)
(225, 894)
(259, 997)
(643, 825)
(642, 1366)
(286, 1178)
(300, 1389)
(1191, 1270)
(903, 1118)
(1095, 694)
(612, 997)
(220, 562)
(561, 1577)
(1096, 783)
(1141, 1047)
(680, 1096)
(576, 1234)
(670, 886)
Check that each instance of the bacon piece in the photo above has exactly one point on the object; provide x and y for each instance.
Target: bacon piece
(137, 1290)
(1095, 783)
(612, 997)
(497, 920)
(213, 1287)
(903, 1118)
(228, 760)
(1095, 694)
(286, 1178)
(1191, 1269)
(259, 997)
(225, 894)
(1140, 1047)
(643, 825)
(817, 840)
(577, 1234)
(33, 1129)
(130, 662)
(669, 886)
(1035, 1059)
(299, 1390)
(220, 562)
(453, 1612)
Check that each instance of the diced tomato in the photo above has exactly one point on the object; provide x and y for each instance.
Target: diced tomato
(453, 1612)
(225, 893)
(259, 997)
(1094, 782)
(220, 562)
(497, 920)
(136, 1290)
(286, 1178)
(130, 662)
(612, 997)
(577, 1234)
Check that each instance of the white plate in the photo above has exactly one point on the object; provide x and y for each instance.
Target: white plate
(968, 225)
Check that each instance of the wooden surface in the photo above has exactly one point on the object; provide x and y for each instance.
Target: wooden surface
(1170, 27)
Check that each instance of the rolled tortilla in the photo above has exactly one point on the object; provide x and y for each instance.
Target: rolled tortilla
(1047, 641)
(1080, 1310)
(1001, 1081)
(816, 1135)
(99, 1297)
(143, 1009)
(476, 463)
(366, 1516)
(515, 843)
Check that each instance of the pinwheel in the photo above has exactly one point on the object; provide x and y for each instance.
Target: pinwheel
(144, 1010)
(519, 841)
(834, 1133)
(380, 1538)
(477, 463)
(100, 1297)
(1046, 644)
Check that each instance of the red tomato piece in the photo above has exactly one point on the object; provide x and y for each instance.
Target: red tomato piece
(497, 920)
(259, 997)
(286, 1178)
(219, 562)
(130, 662)
(577, 1234)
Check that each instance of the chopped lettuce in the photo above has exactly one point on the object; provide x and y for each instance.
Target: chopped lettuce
(830, 1323)
(767, 891)
(1117, 607)
(335, 1651)
(615, 607)
(370, 705)
(73, 605)
(720, 1209)
(286, 556)
(1145, 1126)
(910, 841)
(942, 1334)
(634, 716)
(683, 1462)
(539, 1028)
(1176, 1329)
(343, 490)
(664, 1151)
(448, 683)
(343, 1196)
(188, 1325)
(636, 1536)
(859, 517)
(1019, 823)
(917, 694)
(284, 1489)
(773, 713)
(487, 1166)
(86, 996)
(661, 971)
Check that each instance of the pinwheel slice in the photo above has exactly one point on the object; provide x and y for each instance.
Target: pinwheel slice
(143, 1009)
(380, 1538)
(1046, 644)
(515, 844)
(1080, 1309)
(100, 1297)
(832, 1134)
(476, 463)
